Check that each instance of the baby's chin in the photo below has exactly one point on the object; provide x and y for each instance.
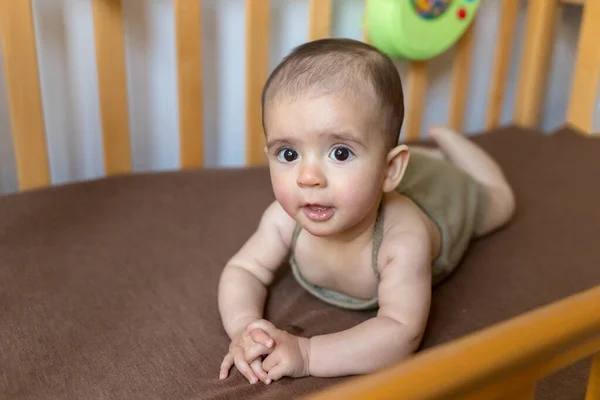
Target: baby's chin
(320, 231)
(335, 226)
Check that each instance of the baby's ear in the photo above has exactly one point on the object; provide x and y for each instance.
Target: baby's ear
(397, 160)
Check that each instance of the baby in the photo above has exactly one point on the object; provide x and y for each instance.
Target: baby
(366, 222)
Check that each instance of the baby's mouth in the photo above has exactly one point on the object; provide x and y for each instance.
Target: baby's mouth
(318, 212)
(317, 207)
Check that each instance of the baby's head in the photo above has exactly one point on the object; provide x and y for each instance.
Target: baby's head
(332, 114)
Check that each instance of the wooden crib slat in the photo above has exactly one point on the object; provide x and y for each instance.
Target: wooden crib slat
(586, 76)
(320, 19)
(524, 393)
(17, 33)
(530, 369)
(460, 80)
(593, 388)
(189, 78)
(534, 61)
(505, 36)
(415, 95)
(519, 351)
(112, 85)
(257, 69)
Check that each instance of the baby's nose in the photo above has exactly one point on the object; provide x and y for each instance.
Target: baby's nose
(311, 176)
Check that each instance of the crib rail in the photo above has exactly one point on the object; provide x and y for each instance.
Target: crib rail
(188, 34)
(257, 70)
(504, 361)
(24, 96)
(541, 15)
(21, 69)
(586, 78)
(112, 85)
(506, 27)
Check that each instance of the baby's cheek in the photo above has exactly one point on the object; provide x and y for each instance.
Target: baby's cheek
(284, 195)
(357, 196)
(352, 190)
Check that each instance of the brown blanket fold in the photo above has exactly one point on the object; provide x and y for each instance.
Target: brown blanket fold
(108, 288)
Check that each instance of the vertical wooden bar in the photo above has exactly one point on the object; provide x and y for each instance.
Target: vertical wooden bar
(593, 388)
(320, 19)
(460, 80)
(415, 95)
(586, 76)
(257, 69)
(535, 60)
(17, 33)
(189, 79)
(504, 40)
(112, 83)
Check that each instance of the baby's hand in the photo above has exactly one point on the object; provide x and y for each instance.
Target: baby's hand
(290, 356)
(245, 352)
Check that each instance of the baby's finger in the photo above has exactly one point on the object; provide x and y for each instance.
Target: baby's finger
(269, 362)
(244, 368)
(226, 366)
(263, 324)
(256, 351)
(260, 336)
(256, 366)
(276, 372)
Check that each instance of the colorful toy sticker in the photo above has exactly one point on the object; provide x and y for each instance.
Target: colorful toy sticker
(417, 29)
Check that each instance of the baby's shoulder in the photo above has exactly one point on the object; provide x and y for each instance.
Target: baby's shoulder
(402, 215)
(406, 229)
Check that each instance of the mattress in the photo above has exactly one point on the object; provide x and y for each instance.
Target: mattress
(108, 288)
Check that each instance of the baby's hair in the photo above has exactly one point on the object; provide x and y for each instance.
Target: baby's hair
(341, 65)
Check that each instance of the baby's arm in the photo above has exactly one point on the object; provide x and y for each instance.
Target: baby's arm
(246, 276)
(396, 331)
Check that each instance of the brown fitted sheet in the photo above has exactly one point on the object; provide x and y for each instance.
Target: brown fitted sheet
(108, 288)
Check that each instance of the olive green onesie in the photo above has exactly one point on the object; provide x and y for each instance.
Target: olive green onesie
(454, 201)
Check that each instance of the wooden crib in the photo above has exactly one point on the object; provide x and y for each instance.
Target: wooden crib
(503, 361)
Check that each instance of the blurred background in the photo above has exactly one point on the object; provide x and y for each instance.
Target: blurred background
(70, 95)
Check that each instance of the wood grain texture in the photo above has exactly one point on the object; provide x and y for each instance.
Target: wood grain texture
(518, 352)
(593, 387)
(257, 69)
(112, 85)
(461, 68)
(586, 76)
(416, 95)
(24, 95)
(188, 36)
(504, 40)
(535, 60)
(320, 19)
(525, 393)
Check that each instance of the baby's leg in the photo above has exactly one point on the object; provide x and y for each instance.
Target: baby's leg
(467, 155)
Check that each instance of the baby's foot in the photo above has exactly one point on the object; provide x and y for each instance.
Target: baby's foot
(440, 133)
(443, 136)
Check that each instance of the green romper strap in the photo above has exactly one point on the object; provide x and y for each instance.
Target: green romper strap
(331, 296)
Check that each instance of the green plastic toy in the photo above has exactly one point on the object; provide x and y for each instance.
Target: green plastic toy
(417, 29)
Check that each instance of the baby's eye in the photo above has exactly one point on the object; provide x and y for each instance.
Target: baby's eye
(287, 155)
(341, 153)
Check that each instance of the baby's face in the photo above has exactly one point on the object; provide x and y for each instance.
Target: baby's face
(327, 160)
